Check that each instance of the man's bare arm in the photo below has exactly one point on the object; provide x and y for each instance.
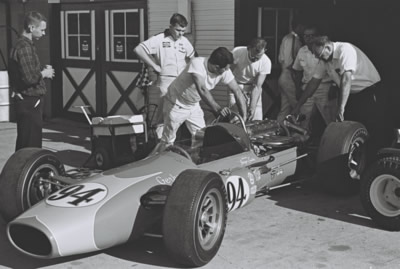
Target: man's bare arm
(311, 87)
(239, 97)
(256, 95)
(206, 95)
(345, 86)
(147, 59)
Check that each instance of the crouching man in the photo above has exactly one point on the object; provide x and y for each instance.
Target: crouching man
(182, 101)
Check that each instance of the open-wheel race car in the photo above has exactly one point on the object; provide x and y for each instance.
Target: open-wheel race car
(183, 194)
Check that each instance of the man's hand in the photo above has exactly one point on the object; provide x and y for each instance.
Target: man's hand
(157, 69)
(340, 115)
(224, 112)
(48, 72)
(295, 111)
(250, 113)
(153, 73)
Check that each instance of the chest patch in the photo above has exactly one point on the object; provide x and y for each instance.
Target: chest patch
(166, 44)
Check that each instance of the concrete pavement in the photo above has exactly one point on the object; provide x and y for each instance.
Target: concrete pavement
(297, 226)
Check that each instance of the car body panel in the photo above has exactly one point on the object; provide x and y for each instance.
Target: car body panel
(106, 210)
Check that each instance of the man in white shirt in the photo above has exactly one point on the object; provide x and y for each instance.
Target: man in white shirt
(304, 66)
(166, 54)
(291, 43)
(250, 67)
(182, 102)
(359, 86)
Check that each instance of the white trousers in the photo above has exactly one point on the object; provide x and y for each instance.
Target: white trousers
(175, 116)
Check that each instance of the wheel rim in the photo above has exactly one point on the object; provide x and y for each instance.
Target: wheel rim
(41, 184)
(99, 159)
(385, 195)
(211, 215)
(356, 158)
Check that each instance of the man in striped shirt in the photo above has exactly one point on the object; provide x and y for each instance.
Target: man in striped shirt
(26, 80)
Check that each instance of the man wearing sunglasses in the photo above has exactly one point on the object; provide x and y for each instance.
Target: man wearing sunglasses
(182, 101)
(360, 94)
(251, 67)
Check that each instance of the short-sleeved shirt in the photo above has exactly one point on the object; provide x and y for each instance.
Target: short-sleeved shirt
(246, 71)
(170, 54)
(307, 62)
(288, 50)
(183, 88)
(347, 57)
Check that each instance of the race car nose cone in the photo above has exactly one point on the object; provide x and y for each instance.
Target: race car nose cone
(30, 237)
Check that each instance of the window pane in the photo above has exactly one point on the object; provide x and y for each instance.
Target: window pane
(283, 22)
(271, 49)
(84, 23)
(119, 23)
(73, 24)
(119, 47)
(132, 42)
(132, 23)
(85, 46)
(268, 23)
(73, 46)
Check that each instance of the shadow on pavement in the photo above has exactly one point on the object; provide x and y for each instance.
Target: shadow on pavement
(66, 138)
(146, 250)
(308, 197)
(68, 132)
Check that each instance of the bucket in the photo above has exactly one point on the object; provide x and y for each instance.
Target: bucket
(4, 97)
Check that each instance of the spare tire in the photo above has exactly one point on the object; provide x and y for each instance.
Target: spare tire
(380, 192)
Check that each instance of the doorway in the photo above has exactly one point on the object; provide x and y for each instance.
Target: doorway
(98, 66)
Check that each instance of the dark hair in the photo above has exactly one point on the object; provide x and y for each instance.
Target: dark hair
(33, 18)
(221, 57)
(258, 43)
(312, 26)
(178, 19)
(296, 21)
(320, 41)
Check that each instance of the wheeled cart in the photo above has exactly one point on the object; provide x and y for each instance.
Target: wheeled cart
(116, 139)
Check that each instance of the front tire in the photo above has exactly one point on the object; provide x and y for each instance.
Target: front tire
(341, 157)
(195, 217)
(25, 179)
(380, 192)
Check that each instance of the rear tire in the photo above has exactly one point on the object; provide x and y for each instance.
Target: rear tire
(194, 217)
(341, 157)
(23, 180)
(380, 192)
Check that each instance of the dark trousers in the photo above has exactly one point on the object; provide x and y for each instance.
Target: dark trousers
(29, 121)
(368, 107)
